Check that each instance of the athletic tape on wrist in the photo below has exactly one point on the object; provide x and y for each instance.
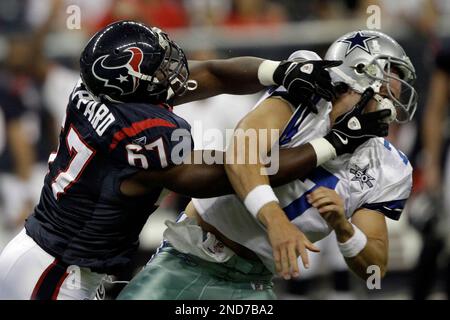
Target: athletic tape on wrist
(323, 149)
(259, 197)
(265, 72)
(353, 246)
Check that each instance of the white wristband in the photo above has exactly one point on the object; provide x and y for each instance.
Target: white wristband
(324, 150)
(353, 246)
(259, 197)
(265, 72)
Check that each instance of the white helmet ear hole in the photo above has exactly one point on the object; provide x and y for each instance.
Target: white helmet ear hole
(360, 68)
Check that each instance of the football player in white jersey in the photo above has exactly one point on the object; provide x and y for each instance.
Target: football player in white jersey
(229, 247)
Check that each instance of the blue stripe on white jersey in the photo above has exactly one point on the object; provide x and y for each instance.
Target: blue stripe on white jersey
(391, 209)
(321, 178)
(294, 125)
(296, 120)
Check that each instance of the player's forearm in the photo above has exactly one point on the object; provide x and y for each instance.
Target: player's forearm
(237, 75)
(227, 76)
(210, 180)
(205, 180)
(251, 185)
(294, 163)
(244, 177)
(200, 181)
(373, 253)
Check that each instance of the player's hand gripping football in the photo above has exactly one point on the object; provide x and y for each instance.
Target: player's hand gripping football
(354, 127)
(287, 241)
(304, 78)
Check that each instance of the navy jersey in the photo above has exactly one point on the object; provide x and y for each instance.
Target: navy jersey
(82, 217)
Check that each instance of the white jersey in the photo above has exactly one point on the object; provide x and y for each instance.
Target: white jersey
(376, 176)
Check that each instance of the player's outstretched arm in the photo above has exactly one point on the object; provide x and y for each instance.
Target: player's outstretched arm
(205, 180)
(232, 76)
(246, 75)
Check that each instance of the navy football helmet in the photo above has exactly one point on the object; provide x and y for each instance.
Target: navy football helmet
(130, 62)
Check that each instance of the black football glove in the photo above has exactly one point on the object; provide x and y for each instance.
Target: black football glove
(353, 128)
(304, 78)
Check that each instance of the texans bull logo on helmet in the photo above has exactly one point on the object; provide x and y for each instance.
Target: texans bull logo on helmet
(116, 72)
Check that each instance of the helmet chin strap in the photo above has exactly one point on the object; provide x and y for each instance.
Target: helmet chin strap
(139, 75)
(385, 103)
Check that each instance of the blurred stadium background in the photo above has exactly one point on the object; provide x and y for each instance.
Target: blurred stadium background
(39, 51)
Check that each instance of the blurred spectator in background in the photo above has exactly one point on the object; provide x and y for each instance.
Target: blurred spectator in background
(52, 83)
(421, 15)
(164, 14)
(55, 81)
(17, 154)
(34, 93)
(37, 13)
(12, 15)
(256, 13)
(435, 169)
(326, 9)
(207, 12)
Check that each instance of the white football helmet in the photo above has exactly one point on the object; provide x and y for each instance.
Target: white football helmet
(369, 58)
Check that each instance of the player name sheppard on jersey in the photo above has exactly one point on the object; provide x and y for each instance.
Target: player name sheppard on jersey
(98, 114)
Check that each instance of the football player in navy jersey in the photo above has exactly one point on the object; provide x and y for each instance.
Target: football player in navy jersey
(114, 155)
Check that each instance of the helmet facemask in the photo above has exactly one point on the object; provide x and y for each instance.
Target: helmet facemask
(174, 72)
(383, 69)
(171, 77)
